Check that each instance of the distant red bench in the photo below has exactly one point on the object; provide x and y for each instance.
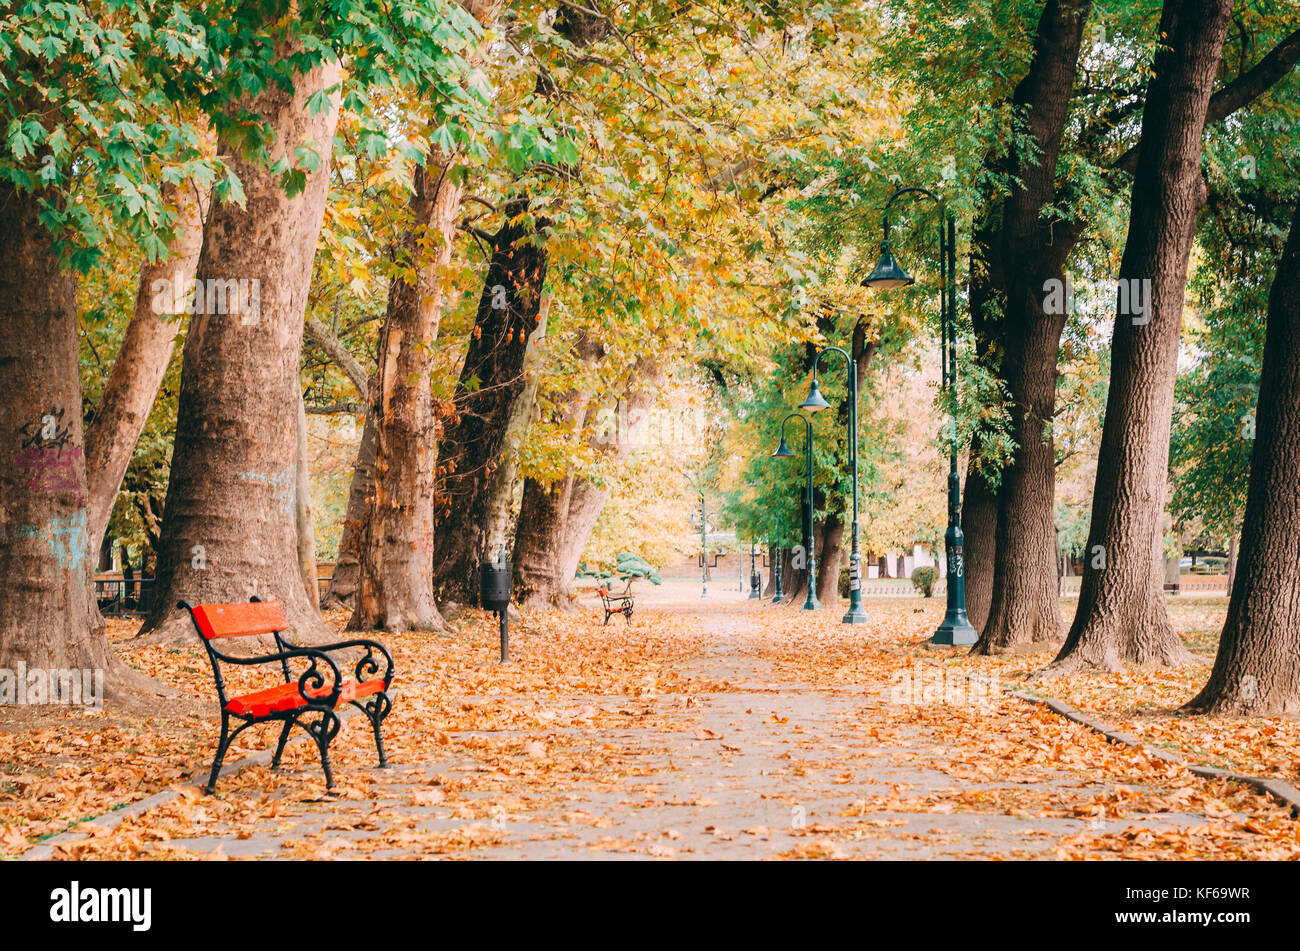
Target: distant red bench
(310, 700)
(616, 604)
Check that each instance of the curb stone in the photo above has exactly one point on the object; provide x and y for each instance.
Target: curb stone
(45, 850)
(1284, 792)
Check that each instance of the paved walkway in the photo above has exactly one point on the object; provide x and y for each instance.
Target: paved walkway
(767, 767)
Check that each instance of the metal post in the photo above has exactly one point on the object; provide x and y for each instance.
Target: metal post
(704, 549)
(505, 636)
(955, 629)
(755, 581)
(810, 602)
(856, 614)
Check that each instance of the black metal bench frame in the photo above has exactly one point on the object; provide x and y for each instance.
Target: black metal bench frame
(317, 715)
(617, 603)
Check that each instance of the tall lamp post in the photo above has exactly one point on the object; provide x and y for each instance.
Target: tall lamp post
(704, 549)
(815, 402)
(956, 629)
(783, 451)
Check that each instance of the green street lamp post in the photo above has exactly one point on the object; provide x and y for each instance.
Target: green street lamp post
(956, 629)
(704, 549)
(783, 451)
(815, 402)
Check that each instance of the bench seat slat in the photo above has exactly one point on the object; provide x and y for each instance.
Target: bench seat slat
(284, 697)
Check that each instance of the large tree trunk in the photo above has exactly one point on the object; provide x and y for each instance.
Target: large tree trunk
(142, 360)
(1023, 598)
(48, 618)
(979, 525)
(1255, 671)
(491, 380)
(829, 557)
(543, 511)
(1121, 615)
(228, 528)
(395, 592)
(1025, 603)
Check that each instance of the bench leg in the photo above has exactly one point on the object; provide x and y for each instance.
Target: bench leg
(279, 747)
(324, 730)
(376, 710)
(222, 744)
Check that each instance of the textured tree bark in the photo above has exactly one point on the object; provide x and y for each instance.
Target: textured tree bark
(1024, 600)
(829, 559)
(1023, 596)
(1255, 671)
(491, 381)
(797, 588)
(142, 360)
(228, 528)
(342, 357)
(585, 504)
(543, 511)
(395, 563)
(48, 617)
(979, 523)
(1121, 615)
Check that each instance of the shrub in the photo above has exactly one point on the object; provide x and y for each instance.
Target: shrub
(923, 579)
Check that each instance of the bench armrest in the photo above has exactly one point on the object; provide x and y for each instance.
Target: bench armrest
(367, 666)
(311, 679)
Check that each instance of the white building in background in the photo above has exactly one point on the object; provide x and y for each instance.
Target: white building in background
(899, 564)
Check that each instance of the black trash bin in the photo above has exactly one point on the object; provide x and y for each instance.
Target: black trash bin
(494, 585)
(494, 594)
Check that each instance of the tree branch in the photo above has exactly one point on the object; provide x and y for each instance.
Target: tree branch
(330, 409)
(1237, 94)
(340, 354)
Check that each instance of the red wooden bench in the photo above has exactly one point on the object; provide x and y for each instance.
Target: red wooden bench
(309, 700)
(616, 603)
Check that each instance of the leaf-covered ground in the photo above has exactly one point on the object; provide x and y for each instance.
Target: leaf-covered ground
(716, 729)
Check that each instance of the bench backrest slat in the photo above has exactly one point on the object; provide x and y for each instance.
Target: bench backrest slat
(234, 620)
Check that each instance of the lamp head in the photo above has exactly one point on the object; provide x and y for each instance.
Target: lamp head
(815, 400)
(783, 451)
(888, 273)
